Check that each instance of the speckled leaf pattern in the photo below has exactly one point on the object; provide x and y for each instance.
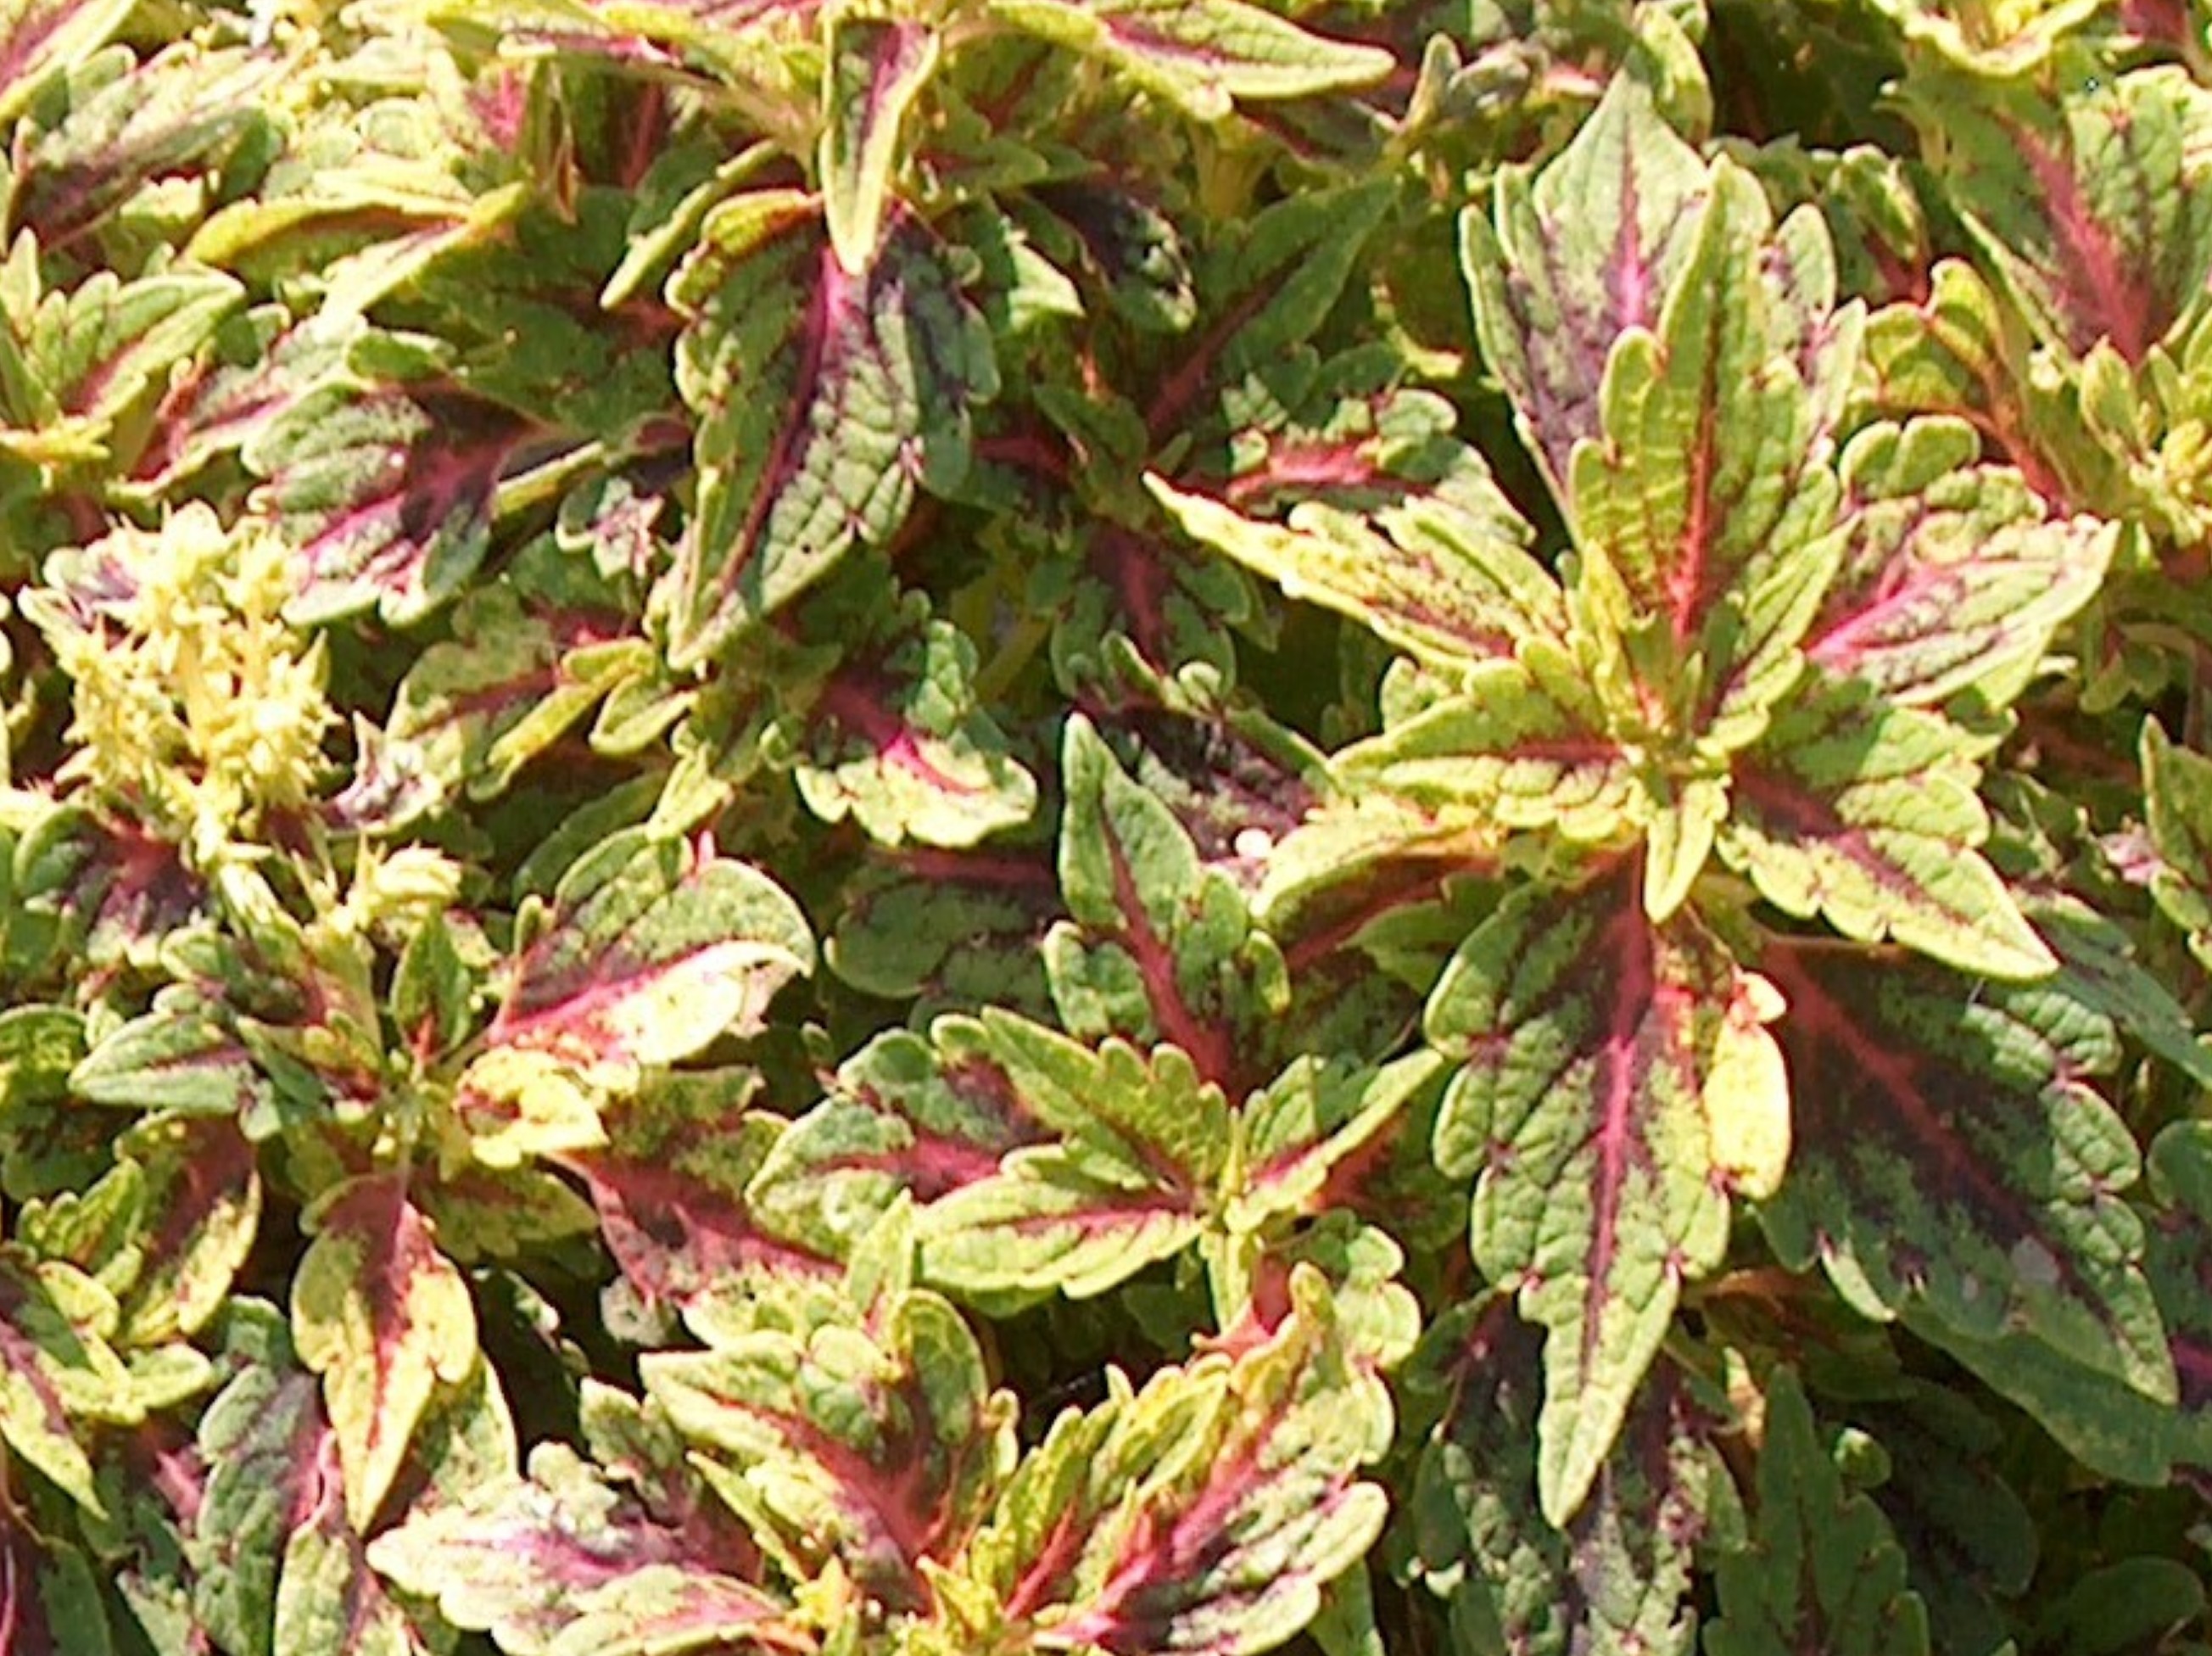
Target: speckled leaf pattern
(384, 490)
(1705, 508)
(1514, 749)
(1143, 1143)
(569, 1560)
(1360, 497)
(1953, 1162)
(1580, 252)
(670, 1186)
(882, 1445)
(898, 742)
(1822, 1575)
(924, 1118)
(877, 69)
(1160, 947)
(1610, 1082)
(1953, 576)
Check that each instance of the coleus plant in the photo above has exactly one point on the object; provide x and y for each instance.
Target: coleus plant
(1002, 826)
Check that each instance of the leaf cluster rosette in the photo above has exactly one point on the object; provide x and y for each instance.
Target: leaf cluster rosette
(990, 827)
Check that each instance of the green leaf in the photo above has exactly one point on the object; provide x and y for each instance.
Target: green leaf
(670, 1186)
(1953, 1161)
(1160, 948)
(824, 399)
(1866, 814)
(37, 37)
(1823, 1575)
(1348, 491)
(878, 68)
(383, 1316)
(652, 949)
(1202, 56)
(882, 1446)
(2178, 807)
(1145, 1144)
(1205, 1513)
(1513, 748)
(906, 1115)
(2083, 196)
(1587, 250)
(1954, 576)
(1615, 1082)
(897, 741)
(55, 1367)
(1618, 1578)
(1703, 509)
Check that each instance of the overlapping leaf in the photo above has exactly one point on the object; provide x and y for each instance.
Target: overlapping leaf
(385, 1319)
(1204, 1513)
(1952, 1164)
(623, 1560)
(1617, 1579)
(1615, 1082)
(855, 388)
(1823, 1573)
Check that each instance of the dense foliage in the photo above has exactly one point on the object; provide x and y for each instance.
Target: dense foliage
(961, 827)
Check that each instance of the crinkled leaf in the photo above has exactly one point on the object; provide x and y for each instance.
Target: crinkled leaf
(1587, 250)
(1703, 510)
(669, 1186)
(883, 1447)
(384, 491)
(1296, 1132)
(1614, 1083)
(1160, 947)
(1512, 750)
(1373, 509)
(1953, 1161)
(94, 352)
(528, 659)
(385, 1319)
(824, 397)
(2086, 197)
(1823, 1574)
(1144, 1144)
(1866, 814)
(877, 70)
(566, 1561)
